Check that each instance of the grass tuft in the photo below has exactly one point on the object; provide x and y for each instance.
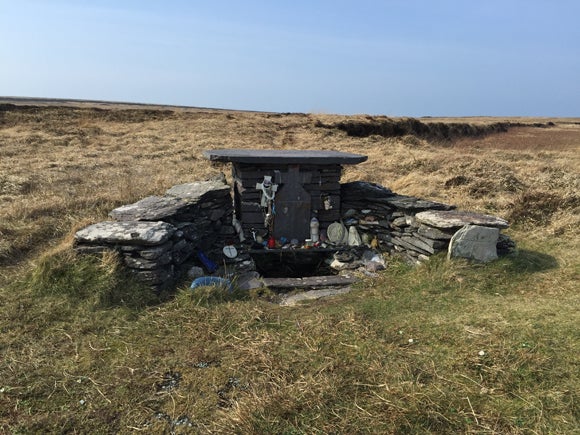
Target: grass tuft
(536, 208)
(100, 279)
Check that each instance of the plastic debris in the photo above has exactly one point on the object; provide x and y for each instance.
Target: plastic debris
(204, 281)
(207, 263)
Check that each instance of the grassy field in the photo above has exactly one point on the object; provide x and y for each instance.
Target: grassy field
(448, 347)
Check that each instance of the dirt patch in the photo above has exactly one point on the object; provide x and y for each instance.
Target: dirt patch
(561, 137)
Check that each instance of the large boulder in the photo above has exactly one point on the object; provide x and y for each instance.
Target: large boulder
(474, 242)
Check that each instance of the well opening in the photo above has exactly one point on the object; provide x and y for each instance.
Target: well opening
(290, 263)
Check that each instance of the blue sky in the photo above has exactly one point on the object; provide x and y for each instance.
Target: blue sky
(399, 57)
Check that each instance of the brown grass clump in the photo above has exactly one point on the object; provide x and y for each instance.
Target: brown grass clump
(537, 208)
(443, 348)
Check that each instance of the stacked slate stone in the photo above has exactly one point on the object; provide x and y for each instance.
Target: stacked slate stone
(158, 234)
(146, 247)
(416, 241)
(382, 214)
(412, 227)
(473, 235)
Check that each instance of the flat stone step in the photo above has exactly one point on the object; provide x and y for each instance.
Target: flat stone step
(309, 282)
(292, 300)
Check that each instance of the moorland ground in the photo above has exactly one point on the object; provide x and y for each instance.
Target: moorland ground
(494, 347)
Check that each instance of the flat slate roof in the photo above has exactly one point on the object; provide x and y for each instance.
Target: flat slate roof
(314, 157)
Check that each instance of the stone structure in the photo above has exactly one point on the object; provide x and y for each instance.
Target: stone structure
(299, 185)
(414, 228)
(159, 237)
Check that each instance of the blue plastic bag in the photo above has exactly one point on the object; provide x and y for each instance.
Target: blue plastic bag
(204, 281)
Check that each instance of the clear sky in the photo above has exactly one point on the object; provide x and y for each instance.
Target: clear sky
(390, 57)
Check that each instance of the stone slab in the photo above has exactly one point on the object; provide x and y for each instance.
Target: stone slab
(197, 190)
(474, 242)
(152, 208)
(433, 233)
(143, 263)
(308, 282)
(285, 157)
(458, 219)
(404, 202)
(126, 233)
(364, 190)
(295, 299)
(183, 199)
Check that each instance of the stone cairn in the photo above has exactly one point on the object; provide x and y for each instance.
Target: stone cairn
(158, 234)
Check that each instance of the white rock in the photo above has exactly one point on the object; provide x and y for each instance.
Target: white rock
(126, 233)
(458, 219)
(475, 243)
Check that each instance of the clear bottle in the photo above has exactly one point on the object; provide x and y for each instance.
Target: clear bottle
(314, 227)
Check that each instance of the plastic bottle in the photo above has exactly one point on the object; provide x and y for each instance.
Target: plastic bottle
(314, 225)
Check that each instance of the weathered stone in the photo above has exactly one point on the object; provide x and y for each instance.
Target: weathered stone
(434, 233)
(414, 204)
(505, 245)
(403, 243)
(227, 230)
(155, 252)
(474, 242)
(294, 299)
(130, 232)
(190, 231)
(437, 245)
(373, 262)
(362, 189)
(154, 276)
(217, 214)
(142, 263)
(458, 219)
(200, 190)
(195, 272)
(152, 208)
(418, 243)
(89, 249)
(249, 281)
(400, 222)
(183, 253)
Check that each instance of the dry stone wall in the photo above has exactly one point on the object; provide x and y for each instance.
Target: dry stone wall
(159, 237)
(412, 227)
(158, 234)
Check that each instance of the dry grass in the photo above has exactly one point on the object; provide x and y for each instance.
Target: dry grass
(245, 366)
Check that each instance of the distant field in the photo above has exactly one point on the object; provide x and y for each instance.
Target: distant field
(343, 365)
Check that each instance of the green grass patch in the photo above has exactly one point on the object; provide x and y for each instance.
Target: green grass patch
(98, 279)
(448, 347)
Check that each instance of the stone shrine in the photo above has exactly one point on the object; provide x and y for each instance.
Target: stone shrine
(278, 192)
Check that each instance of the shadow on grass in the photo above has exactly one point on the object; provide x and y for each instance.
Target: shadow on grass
(525, 261)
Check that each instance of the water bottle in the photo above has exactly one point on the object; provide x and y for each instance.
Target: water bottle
(314, 225)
